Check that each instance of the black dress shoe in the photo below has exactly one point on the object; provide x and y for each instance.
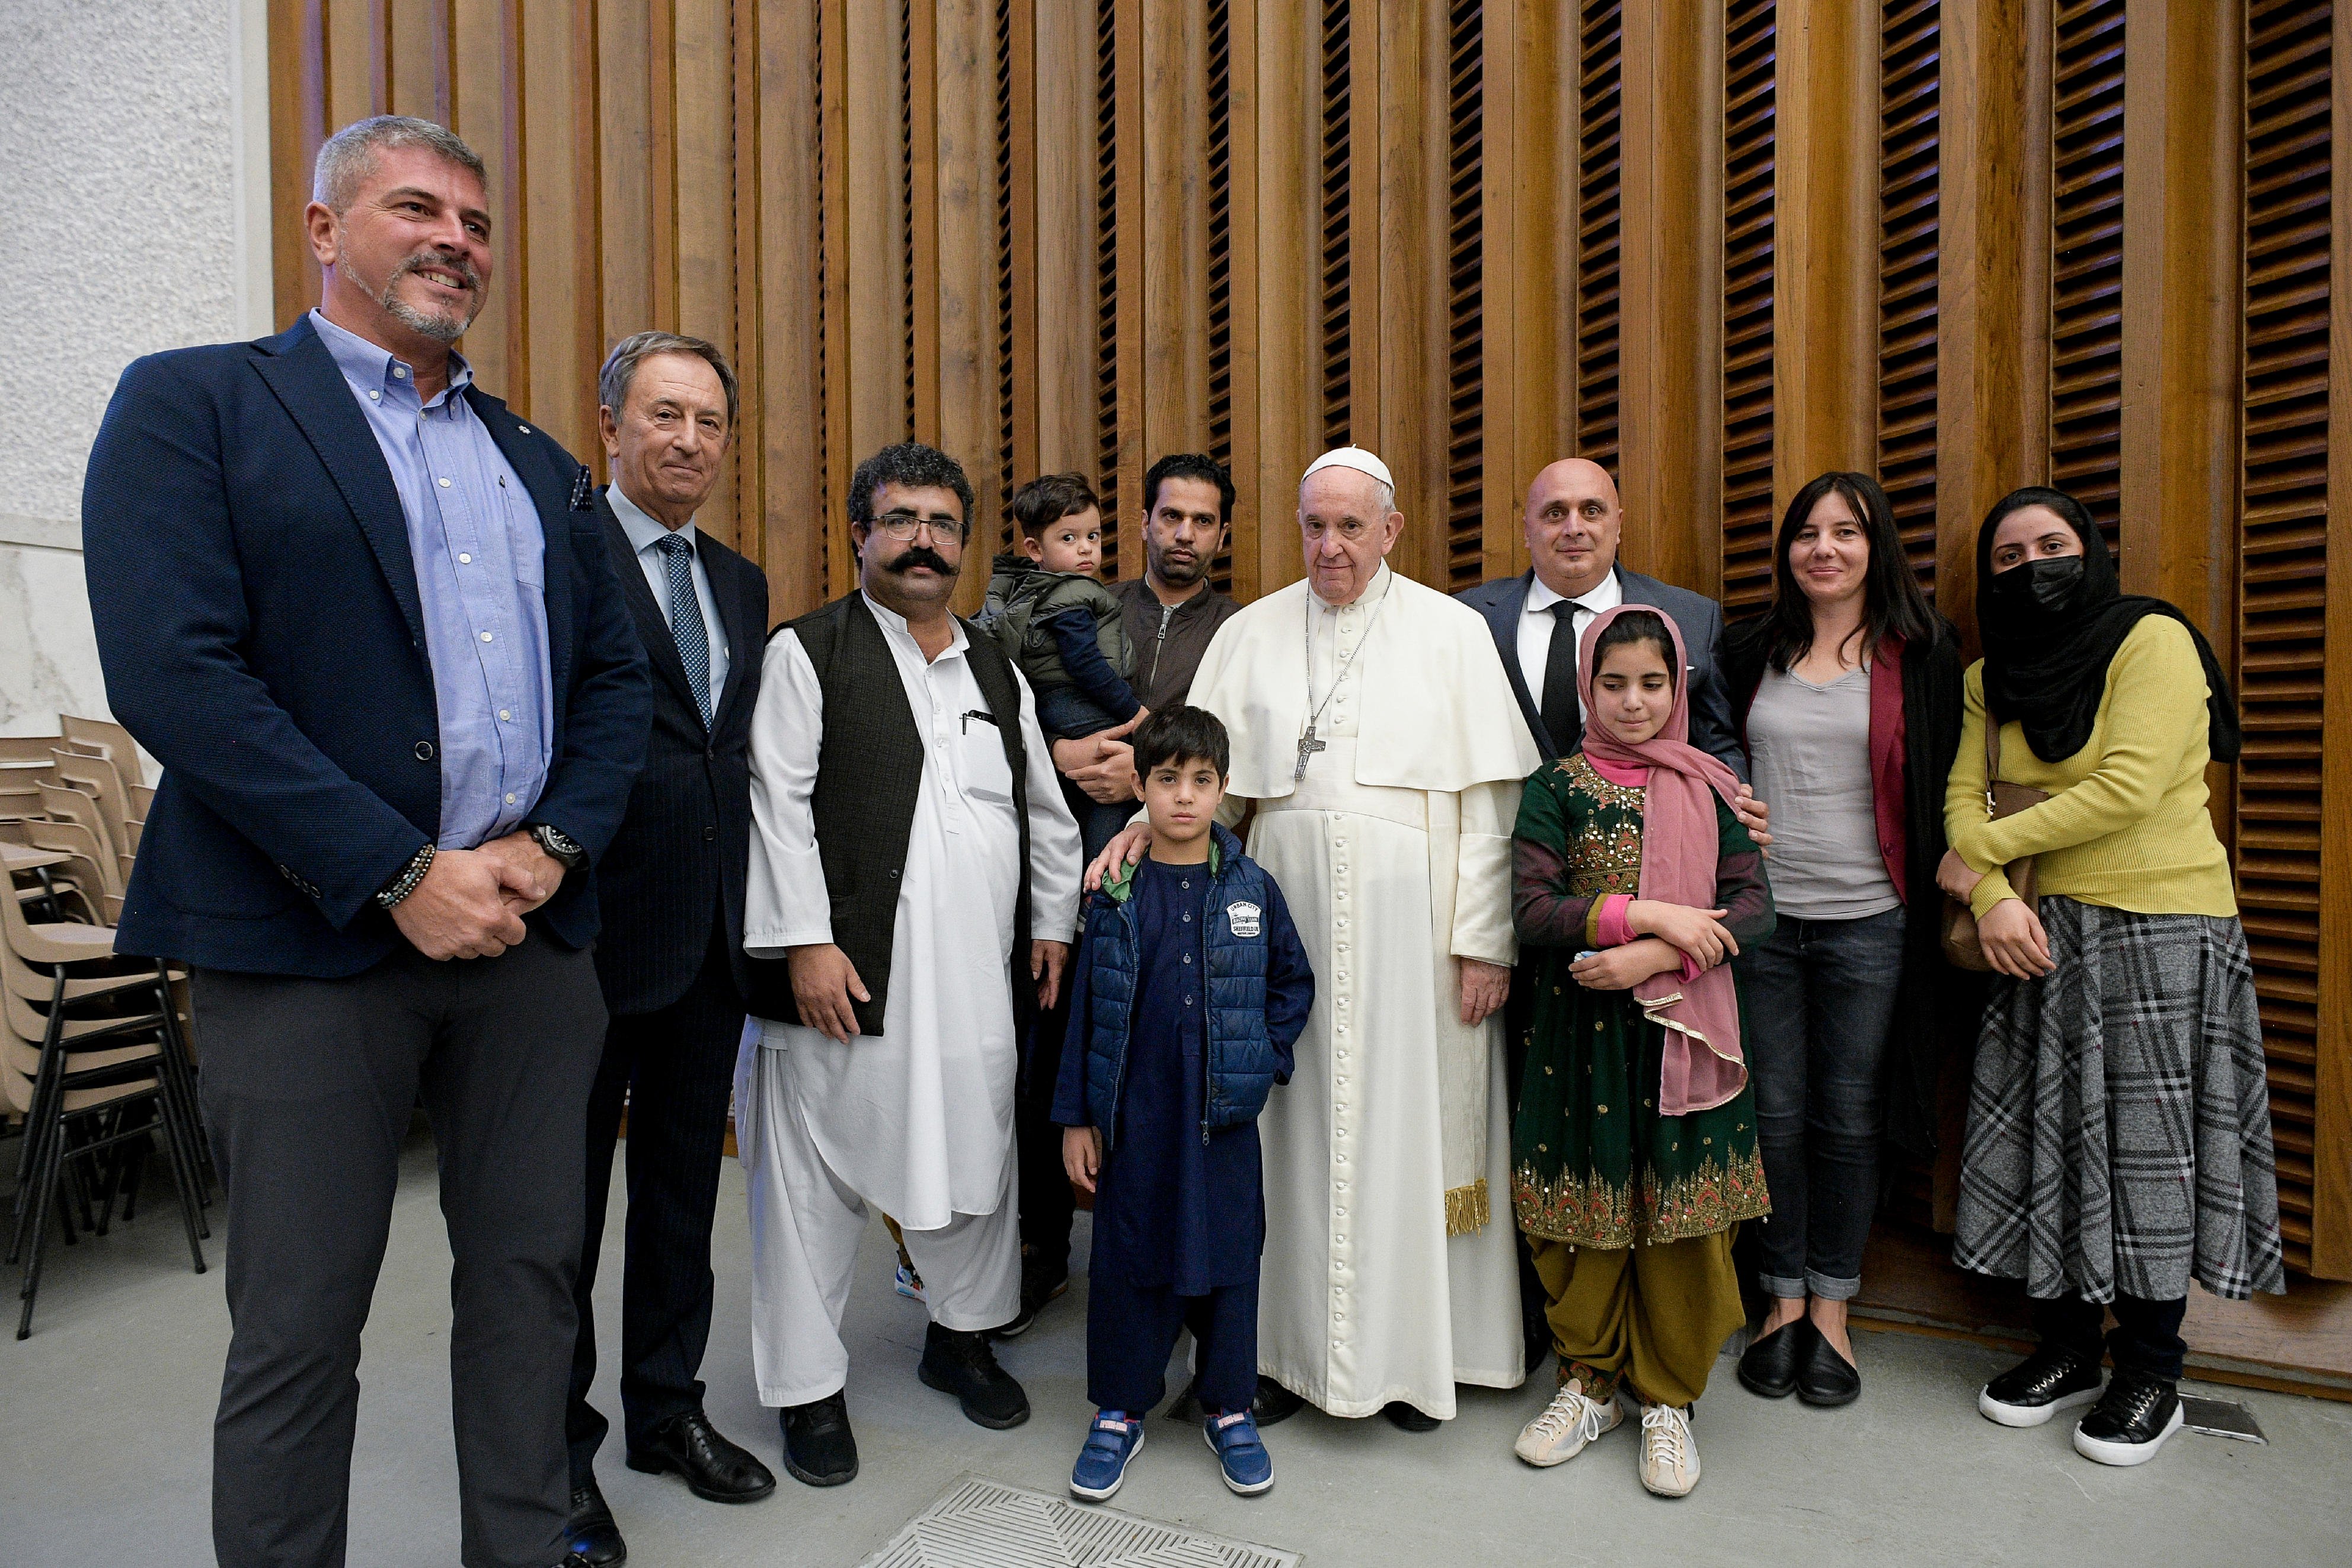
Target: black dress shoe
(2131, 1421)
(1406, 1418)
(962, 1363)
(2052, 1379)
(1769, 1366)
(819, 1447)
(1274, 1403)
(592, 1537)
(1824, 1376)
(715, 1469)
(1040, 1283)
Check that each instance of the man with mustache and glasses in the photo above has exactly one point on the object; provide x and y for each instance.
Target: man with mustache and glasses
(365, 619)
(913, 888)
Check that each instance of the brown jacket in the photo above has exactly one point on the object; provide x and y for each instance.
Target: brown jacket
(1168, 642)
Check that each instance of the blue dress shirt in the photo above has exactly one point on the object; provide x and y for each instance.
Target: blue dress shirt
(474, 538)
(645, 535)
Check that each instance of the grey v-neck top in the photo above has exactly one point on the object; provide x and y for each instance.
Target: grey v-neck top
(1810, 746)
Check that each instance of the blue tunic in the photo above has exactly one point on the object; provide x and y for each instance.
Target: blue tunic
(1172, 1210)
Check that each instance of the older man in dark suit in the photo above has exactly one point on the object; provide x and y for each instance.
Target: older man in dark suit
(1573, 522)
(671, 958)
(365, 618)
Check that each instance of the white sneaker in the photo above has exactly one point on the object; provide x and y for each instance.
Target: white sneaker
(1669, 1456)
(909, 1284)
(1566, 1424)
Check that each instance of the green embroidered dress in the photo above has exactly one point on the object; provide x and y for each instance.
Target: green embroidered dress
(1593, 1163)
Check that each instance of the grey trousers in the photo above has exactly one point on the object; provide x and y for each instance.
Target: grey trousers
(307, 1087)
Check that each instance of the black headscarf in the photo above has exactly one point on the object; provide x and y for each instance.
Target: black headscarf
(2052, 626)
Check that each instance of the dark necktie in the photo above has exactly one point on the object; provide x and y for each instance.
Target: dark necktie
(1562, 720)
(685, 627)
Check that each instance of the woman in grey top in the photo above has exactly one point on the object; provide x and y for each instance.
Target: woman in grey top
(1848, 692)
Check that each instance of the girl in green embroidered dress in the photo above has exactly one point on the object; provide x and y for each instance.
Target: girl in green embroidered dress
(1633, 1152)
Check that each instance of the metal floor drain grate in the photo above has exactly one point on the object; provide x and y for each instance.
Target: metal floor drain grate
(980, 1523)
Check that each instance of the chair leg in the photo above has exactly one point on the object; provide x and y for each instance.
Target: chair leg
(45, 1193)
(189, 1184)
(175, 1043)
(43, 1127)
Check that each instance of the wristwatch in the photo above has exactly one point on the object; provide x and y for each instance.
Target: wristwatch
(560, 844)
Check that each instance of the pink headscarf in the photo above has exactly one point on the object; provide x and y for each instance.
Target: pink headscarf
(1703, 1067)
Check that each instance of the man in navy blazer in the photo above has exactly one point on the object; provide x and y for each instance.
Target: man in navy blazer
(1573, 521)
(366, 619)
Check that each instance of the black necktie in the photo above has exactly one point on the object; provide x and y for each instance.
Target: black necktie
(1562, 721)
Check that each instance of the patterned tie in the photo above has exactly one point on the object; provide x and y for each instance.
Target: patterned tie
(1562, 720)
(685, 627)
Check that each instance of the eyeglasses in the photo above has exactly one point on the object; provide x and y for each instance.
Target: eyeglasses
(905, 524)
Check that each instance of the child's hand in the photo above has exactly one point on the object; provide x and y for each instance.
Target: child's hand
(1623, 968)
(1697, 932)
(1082, 1155)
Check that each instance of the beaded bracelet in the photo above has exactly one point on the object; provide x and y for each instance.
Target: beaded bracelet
(405, 883)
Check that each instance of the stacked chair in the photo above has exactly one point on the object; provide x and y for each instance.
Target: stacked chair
(95, 1057)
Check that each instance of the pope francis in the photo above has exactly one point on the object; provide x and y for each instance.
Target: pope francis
(1377, 745)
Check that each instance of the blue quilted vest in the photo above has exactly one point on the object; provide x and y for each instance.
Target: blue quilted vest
(1241, 1060)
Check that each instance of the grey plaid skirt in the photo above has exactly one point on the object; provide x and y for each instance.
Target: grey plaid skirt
(2119, 1126)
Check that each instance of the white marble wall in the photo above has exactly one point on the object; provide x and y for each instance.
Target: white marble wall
(136, 142)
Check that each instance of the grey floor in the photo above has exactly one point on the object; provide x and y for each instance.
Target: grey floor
(104, 1449)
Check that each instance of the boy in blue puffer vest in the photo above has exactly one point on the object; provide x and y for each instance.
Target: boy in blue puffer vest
(1189, 989)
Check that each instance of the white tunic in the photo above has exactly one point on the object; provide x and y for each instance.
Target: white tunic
(1363, 1297)
(919, 1120)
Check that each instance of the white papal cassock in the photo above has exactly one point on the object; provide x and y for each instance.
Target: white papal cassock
(916, 1121)
(1394, 853)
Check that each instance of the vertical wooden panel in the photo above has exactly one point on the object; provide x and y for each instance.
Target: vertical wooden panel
(1908, 250)
(1405, 227)
(1066, 240)
(1218, 160)
(2286, 792)
(1336, 274)
(416, 34)
(1464, 201)
(2331, 1249)
(297, 113)
(1525, 194)
(488, 106)
(358, 67)
(1174, 208)
(1120, 269)
(870, 217)
(795, 300)
(1237, 410)
(966, 325)
(1671, 367)
(1018, 172)
(629, 218)
(1293, 296)
(561, 308)
(2086, 268)
(1599, 249)
(702, 143)
(1750, 164)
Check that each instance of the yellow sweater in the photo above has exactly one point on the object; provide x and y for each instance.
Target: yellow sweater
(2125, 825)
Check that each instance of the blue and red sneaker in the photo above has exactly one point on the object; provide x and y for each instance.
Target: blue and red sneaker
(1114, 1440)
(1241, 1453)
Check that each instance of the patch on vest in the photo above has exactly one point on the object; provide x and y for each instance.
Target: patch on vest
(1243, 918)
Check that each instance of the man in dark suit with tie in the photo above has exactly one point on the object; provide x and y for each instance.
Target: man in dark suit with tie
(1573, 521)
(672, 955)
(365, 618)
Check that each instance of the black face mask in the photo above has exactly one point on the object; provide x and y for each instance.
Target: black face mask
(2045, 586)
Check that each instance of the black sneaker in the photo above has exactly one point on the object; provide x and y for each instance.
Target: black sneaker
(2131, 1421)
(2052, 1379)
(1040, 1283)
(962, 1363)
(1274, 1402)
(819, 1447)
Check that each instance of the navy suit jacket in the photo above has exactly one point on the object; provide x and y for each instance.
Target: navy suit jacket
(258, 620)
(680, 856)
(1700, 620)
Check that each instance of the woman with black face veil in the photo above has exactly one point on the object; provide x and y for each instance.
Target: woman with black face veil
(2119, 1133)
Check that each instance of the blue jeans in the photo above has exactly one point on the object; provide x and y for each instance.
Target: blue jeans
(1818, 1000)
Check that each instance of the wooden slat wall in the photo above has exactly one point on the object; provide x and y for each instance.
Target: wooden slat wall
(1976, 245)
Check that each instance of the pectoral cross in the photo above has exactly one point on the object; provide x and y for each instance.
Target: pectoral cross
(1307, 747)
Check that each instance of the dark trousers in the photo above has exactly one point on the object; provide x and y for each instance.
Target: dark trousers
(308, 1086)
(1818, 1000)
(1048, 1207)
(2146, 1338)
(1131, 1332)
(676, 1068)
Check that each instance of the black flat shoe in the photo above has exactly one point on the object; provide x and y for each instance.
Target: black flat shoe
(1406, 1418)
(962, 1364)
(1824, 1376)
(1769, 1366)
(715, 1469)
(1274, 1402)
(819, 1448)
(591, 1536)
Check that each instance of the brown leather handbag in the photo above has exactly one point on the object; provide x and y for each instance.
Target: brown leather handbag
(1963, 950)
